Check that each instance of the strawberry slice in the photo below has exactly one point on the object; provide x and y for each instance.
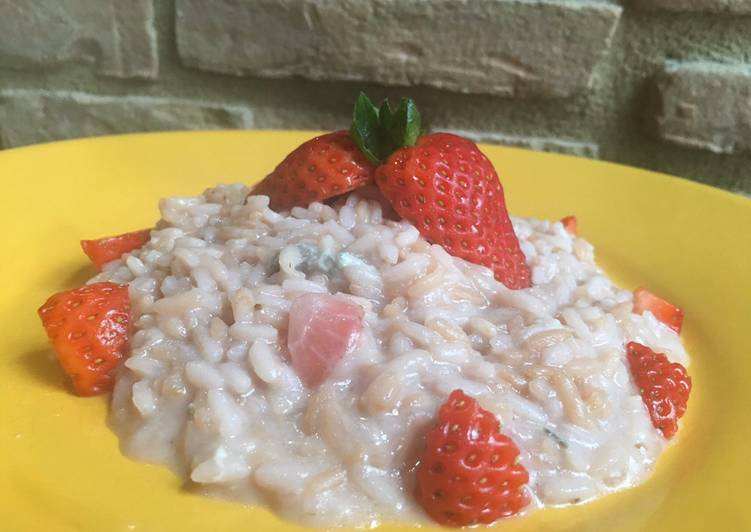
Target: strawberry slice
(664, 311)
(88, 328)
(318, 169)
(450, 191)
(469, 472)
(110, 248)
(664, 386)
(569, 224)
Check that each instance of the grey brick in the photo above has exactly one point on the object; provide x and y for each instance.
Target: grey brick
(118, 36)
(549, 144)
(706, 106)
(545, 48)
(28, 117)
(700, 6)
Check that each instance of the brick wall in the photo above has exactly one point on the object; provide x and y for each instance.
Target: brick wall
(663, 84)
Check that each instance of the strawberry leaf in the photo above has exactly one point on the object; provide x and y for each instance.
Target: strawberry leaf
(366, 129)
(378, 132)
(385, 113)
(404, 126)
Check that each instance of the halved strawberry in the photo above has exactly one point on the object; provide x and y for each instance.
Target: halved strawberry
(318, 169)
(110, 248)
(663, 310)
(89, 329)
(664, 386)
(569, 224)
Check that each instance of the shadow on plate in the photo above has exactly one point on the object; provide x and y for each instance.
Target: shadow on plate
(41, 365)
(79, 277)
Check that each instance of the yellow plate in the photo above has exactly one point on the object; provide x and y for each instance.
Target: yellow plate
(60, 466)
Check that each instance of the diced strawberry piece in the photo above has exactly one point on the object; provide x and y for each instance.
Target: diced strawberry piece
(322, 329)
(110, 248)
(664, 311)
(469, 472)
(318, 169)
(89, 330)
(569, 224)
(664, 386)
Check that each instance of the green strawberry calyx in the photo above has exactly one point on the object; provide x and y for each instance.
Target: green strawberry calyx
(379, 131)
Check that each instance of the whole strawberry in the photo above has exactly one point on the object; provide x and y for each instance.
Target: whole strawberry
(318, 169)
(469, 472)
(440, 182)
(449, 190)
(444, 185)
(89, 329)
(664, 386)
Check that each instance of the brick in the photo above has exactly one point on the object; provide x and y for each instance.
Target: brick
(549, 144)
(115, 35)
(28, 117)
(546, 48)
(706, 105)
(698, 6)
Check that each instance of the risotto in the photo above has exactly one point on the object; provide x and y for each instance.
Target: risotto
(209, 389)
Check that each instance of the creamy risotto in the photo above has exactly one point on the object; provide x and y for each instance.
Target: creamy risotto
(209, 388)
